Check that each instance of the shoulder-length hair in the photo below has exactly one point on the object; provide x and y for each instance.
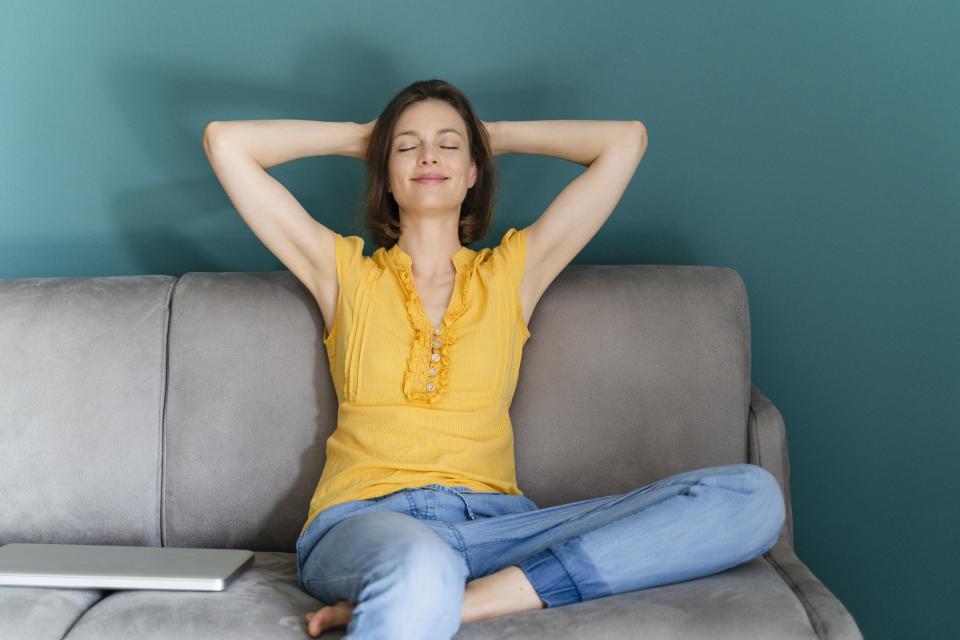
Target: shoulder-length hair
(382, 213)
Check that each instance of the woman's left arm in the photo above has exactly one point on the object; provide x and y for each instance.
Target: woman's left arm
(611, 150)
(580, 141)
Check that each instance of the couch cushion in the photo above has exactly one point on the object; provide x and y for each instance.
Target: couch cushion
(250, 404)
(34, 613)
(81, 395)
(746, 602)
(262, 602)
(632, 373)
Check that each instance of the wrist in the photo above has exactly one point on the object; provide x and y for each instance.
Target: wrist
(495, 139)
(361, 140)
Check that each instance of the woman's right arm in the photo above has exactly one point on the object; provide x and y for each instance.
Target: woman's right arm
(240, 152)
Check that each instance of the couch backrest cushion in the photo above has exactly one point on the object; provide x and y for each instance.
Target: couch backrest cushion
(249, 407)
(632, 373)
(81, 395)
(122, 424)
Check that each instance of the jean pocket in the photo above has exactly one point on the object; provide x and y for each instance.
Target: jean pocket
(469, 490)
(487, 504)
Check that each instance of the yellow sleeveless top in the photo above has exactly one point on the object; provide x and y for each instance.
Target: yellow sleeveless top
(420, 404)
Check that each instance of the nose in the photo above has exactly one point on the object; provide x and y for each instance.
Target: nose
(426, 155)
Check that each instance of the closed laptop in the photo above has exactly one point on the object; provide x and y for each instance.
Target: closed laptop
(77, 566)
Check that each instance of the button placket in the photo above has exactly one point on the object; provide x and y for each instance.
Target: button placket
(434, 357)
(427, 381)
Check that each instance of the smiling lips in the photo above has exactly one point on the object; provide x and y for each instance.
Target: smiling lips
(430, 178)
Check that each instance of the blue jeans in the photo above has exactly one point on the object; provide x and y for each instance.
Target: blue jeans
(404, 558)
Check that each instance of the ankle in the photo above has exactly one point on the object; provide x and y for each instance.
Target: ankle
(476, 605)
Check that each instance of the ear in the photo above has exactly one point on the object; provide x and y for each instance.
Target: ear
(473, 173)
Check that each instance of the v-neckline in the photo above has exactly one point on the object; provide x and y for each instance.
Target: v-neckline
(459, 260)
(446, 312)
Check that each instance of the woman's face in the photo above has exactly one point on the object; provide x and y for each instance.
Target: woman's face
(430, 137)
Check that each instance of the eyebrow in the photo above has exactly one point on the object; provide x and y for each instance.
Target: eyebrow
(439, 131)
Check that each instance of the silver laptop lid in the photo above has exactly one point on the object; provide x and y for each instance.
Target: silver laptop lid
(78, 566)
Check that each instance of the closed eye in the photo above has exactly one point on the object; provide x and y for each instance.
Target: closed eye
(442, 147)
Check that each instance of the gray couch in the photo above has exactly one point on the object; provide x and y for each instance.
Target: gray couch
(194, 412)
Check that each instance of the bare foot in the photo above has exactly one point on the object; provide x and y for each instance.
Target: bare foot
(506, 591)
(339, 615)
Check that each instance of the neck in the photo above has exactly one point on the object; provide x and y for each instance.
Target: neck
(431, 246)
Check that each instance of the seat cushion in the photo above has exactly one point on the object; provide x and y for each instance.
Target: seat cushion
(748, 601)
(42, 614)
(262, 602)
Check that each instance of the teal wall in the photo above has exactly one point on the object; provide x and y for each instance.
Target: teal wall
(811, 146)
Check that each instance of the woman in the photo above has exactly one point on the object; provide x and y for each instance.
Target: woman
(417, 524)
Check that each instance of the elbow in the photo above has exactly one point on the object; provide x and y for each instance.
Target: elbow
(641, 131)
(641, 137)
(211, 133)
(209, 129)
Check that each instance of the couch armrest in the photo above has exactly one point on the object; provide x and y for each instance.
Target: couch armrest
(767, 448)
(828, 617)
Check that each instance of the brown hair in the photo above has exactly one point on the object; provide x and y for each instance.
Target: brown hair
(382, 213)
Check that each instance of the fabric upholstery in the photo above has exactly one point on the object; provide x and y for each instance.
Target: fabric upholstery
(81, 396)
(193, 412)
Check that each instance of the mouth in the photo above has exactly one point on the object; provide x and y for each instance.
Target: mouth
(429, 180)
